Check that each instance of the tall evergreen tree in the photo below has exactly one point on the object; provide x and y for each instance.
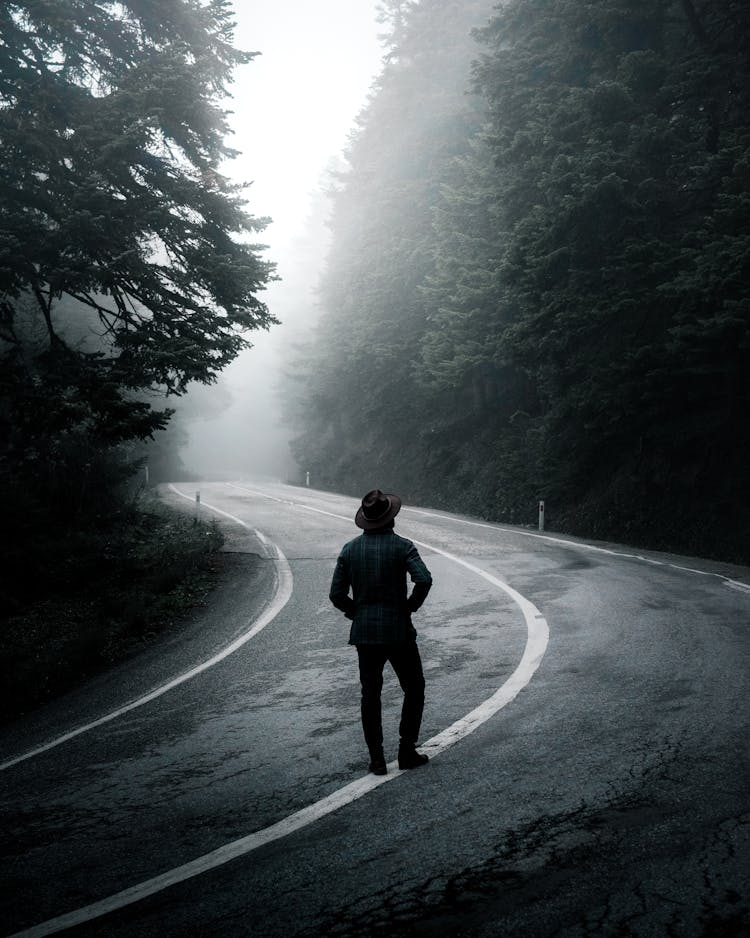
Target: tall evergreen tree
(618, 150)
(543, 291)
(112, 129)
(363, 402)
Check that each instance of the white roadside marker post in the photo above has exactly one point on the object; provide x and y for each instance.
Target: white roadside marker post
(307, 479)
(197, 506)
(541, 516)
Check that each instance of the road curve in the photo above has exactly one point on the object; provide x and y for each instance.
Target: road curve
(607, 798)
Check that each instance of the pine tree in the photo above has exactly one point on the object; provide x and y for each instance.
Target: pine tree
(620, 136)
(362, 400)
(542, 291)
(112, 130)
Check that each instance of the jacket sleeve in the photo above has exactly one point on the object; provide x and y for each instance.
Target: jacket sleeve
(340, 585)
(421, 577)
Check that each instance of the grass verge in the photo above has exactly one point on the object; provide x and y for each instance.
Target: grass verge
(79, 601)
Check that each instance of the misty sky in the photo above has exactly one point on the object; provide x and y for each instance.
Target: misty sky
(294, 106)
(296, 102)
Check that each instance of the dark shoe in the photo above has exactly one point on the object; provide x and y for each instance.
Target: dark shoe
(377, 765)
(411, 759)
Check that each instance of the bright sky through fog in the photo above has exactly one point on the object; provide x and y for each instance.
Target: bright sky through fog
(294, 106)
(296, 102)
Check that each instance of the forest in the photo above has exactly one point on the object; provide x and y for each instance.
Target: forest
(538, 286)
(128, 271)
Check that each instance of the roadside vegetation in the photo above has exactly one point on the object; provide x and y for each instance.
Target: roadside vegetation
(128, 271)
(538, 281)
(78, 599)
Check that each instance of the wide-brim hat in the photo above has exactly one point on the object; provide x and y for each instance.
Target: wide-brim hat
(377, 510)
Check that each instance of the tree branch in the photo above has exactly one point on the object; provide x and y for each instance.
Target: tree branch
(45, 304)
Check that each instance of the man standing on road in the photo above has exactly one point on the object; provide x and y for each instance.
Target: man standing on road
(374, 566)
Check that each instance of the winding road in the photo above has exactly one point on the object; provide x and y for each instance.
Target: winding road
(586, 718)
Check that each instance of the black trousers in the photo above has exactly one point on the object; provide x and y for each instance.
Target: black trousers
(405, 661)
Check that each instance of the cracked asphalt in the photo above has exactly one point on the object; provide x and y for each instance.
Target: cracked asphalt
(610, 798)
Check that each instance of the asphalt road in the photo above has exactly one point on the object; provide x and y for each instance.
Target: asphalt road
(596, 782)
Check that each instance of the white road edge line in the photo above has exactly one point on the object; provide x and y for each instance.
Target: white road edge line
(727, 581)
(282, 594)
(735, 584)
(536, 645)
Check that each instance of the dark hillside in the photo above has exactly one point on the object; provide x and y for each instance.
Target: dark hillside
(541, 289)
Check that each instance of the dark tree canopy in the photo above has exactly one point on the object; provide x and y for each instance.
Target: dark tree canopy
(125, 266)
(541, 290)
(360, 403)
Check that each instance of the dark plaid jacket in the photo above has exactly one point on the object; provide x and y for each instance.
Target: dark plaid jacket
(374, 566)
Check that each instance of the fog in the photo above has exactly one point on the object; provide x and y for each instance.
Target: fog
(294, 106)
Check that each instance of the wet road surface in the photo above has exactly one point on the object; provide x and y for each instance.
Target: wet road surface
(610, 797)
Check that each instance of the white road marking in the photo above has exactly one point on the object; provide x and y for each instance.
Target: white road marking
(536, 644)
(280, 598)
(728, 581)
(737, 584)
